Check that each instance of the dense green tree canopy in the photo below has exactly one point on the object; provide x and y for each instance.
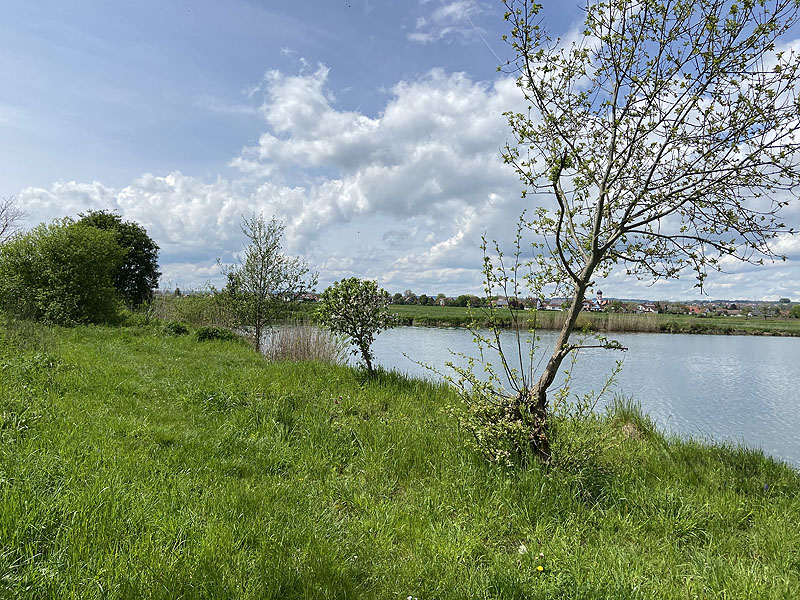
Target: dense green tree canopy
(137, 277)
(61, 273)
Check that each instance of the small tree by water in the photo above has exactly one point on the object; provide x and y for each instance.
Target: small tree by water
(665, 134)
(267, 284)
(358, 309)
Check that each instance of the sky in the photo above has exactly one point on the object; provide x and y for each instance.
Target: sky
(371, 129)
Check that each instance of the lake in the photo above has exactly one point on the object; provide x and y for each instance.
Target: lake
(725, 388)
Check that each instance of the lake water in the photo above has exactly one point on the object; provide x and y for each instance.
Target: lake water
(725, 388)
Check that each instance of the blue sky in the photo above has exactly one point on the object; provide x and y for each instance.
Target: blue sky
(371, 129)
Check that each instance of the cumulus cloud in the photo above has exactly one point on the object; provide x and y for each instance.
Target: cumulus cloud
(402, 196)
(436, 143)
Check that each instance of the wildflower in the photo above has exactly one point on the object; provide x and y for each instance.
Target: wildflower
(540, 568)
(522, 549)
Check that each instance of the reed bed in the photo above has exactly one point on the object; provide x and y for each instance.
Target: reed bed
(194, 309)
(436, 316)
(303, 341)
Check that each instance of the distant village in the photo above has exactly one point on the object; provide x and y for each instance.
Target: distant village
(784, 307)
(599, 303)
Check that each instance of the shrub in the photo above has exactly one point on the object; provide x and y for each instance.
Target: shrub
(175, 328)
(205, 334)
(61, 273)
(359, 310)
(137, 277)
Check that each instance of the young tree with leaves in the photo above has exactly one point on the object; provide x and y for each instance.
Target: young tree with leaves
(266, 284)
(666, 134)
(358, 309)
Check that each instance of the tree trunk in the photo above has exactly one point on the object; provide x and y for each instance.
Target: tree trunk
(368, 362)
(539, 437)
(537, 401)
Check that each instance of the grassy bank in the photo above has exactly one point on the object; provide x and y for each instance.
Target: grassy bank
(453, 316)
(135, 464)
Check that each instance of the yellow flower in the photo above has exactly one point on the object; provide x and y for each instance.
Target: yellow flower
(540, 568)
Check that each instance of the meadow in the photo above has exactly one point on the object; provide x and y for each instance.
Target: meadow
(137, 463)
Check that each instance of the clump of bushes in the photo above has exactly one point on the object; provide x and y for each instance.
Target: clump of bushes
(175, 328)
(208, 333)
(78, 272)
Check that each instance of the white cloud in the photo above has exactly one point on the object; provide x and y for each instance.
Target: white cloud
(457, 11)
(402, 196)
(449, 19)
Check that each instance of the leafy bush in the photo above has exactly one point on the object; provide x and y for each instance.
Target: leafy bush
(359, 310)
(136, 277)
(61, 273)
(501, 429)
(175, 328)
(208, 333)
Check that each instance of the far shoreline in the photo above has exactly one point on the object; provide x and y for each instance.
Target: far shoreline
(448, 316)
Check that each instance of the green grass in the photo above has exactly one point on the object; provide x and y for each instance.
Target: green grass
(135, 464)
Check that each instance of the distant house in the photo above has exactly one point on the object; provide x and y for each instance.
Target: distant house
(535, 303)
(309, 298)
(646, 308)
(598, 304)
(554, 304)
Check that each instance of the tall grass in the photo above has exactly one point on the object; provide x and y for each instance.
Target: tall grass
(303, 342)
(196, 309)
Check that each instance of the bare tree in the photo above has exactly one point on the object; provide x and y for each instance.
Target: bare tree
(10, 217)
(267, 284)
(667, 135)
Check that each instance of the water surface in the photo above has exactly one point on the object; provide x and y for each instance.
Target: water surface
(725, 388)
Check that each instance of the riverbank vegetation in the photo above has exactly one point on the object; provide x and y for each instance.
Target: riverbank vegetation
(198, 309)
(137, 462)
(454, 316)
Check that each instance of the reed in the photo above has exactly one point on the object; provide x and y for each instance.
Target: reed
(304, 342)
(194, 309)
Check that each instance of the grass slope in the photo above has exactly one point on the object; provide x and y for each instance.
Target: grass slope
(137, 465)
